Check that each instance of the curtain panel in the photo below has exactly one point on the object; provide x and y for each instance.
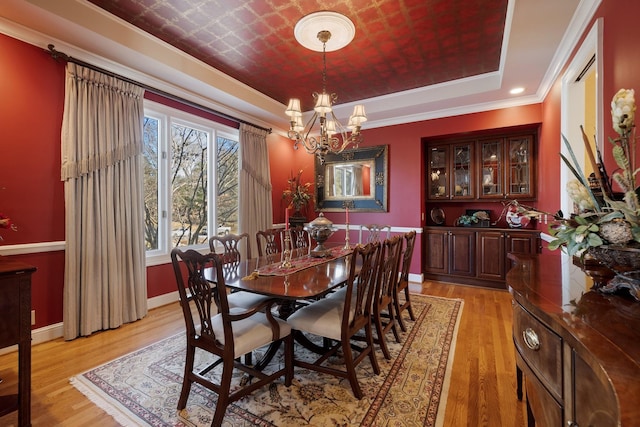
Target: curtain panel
(255, 210)
(105, 273)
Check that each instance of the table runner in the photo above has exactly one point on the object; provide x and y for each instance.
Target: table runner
(301, 263)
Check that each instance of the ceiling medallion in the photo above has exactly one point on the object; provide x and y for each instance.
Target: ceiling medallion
(324, 32)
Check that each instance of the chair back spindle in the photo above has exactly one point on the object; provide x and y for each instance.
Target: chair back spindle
(269, 241)
(374, 233)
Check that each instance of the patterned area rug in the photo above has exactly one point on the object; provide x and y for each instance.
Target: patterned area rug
(142, 388)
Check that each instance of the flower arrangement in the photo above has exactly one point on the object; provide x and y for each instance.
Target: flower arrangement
(5, 222)
(468, 220)
(602, 218)
(297, 194)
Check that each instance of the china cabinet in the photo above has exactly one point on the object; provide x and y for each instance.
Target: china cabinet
(451, 171)
(474, 256)
(507, 167)
(579, 349)
(450, 251)
(492, 242)
(481, 167)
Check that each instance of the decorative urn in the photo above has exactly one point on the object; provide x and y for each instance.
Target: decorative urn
(320, 229)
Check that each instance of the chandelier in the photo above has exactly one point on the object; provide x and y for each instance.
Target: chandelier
(323, 132)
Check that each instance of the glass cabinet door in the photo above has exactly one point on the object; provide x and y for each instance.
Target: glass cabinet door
(462, 170)
(491, 173)
(519, 179)
(438, 172)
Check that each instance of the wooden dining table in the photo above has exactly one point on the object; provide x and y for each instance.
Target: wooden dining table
(308, 278)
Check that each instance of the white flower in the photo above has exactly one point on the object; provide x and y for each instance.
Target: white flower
(623, 108)
(579, 195)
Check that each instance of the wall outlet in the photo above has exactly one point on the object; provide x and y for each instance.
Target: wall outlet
(33, 317)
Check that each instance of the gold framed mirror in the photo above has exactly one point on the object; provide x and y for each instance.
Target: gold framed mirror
(356, 179)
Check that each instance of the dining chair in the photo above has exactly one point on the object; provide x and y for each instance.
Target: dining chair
(384, 318)
(233, 247)
(374, 233)
(338, 320)
(300, 238)
(269, 241)
(403, 281)
(228, 335)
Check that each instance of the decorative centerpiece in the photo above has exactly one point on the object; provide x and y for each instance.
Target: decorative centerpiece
(320, 229)
(606, 226)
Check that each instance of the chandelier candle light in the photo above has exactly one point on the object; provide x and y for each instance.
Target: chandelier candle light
(332, 136)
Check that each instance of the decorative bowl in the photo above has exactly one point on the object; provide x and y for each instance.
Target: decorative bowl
(320, 229)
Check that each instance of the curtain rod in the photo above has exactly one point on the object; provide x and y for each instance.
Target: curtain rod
(56, 54)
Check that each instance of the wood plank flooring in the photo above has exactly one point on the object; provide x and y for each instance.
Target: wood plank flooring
(481, 393)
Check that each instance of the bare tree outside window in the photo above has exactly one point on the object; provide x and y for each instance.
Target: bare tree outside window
(184, 162)
(188, 181)
(150, 155)
(227, 186)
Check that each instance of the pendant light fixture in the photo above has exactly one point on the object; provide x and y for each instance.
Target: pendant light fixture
(323, 132)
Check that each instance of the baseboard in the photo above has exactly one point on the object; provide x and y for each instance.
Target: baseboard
(164, 299)
(416, 278)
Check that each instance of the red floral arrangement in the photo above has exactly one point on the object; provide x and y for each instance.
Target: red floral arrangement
(5, 222)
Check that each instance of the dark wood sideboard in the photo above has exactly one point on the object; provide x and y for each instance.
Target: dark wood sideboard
(579, 349)
(15, 328)
(474, 255)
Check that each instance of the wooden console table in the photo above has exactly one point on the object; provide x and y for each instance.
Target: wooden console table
(15, 328)
(578, 349)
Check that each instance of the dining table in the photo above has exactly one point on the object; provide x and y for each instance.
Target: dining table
(304, 279)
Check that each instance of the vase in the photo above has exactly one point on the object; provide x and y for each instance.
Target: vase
(297, 220)
(623, 265)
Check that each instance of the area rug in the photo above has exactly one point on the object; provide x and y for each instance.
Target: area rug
(142, 388)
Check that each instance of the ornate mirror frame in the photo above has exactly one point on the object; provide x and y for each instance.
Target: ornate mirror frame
(375, 199)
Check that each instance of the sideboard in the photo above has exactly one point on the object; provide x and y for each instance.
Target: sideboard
(579, 350)
(15, 328)
(474, 255)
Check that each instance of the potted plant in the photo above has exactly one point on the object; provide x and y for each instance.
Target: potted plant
(606, 227)
(297, 196)
(472, 219)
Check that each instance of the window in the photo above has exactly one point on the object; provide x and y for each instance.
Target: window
(190, 179)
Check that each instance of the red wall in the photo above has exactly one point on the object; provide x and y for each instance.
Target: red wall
(31, 193)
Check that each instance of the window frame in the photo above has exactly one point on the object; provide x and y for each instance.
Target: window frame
(167, 116)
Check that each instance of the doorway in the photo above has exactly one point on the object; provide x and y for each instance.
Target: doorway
(581, 105)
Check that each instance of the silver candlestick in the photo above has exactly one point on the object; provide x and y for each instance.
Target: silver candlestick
(286, 253)
(347, 246)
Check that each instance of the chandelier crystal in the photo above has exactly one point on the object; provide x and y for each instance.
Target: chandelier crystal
(331, 136)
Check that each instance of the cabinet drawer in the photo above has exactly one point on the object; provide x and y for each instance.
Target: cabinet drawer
(547, 412)
(540, 348)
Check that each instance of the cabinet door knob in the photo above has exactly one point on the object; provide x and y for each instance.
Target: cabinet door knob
(531, 339)
(572, 424)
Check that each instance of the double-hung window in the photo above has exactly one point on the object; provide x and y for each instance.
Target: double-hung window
(190, 180)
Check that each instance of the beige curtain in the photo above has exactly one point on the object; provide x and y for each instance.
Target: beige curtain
(256, 211)
(105, 275)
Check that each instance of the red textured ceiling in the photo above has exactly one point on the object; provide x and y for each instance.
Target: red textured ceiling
(399, 45)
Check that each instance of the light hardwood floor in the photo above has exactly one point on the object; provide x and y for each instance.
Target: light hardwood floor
(481, 392)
